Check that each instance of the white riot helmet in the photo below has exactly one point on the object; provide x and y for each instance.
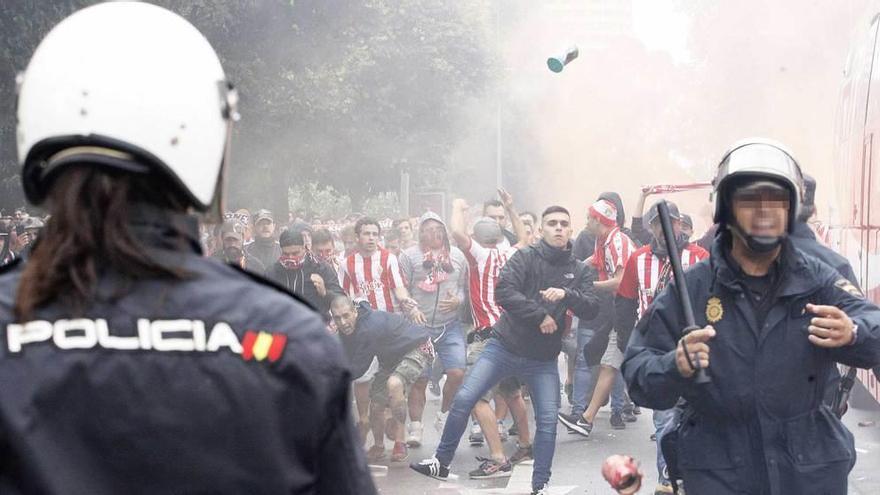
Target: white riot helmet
(756, 159)
(129, 86)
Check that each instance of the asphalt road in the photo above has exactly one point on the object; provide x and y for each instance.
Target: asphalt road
(576, 466)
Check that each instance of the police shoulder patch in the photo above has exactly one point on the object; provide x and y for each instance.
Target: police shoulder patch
(848, 287)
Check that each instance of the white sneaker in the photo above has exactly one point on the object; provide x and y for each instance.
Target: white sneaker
(414, 434)
(440, 422)
(502, 431)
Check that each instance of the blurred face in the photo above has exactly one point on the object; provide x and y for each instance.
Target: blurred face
(406, 231)
(687, 230)
(345, 317)
(368, 238)
(326, 251)
(761, 209)
(432, 234)
(265, 228)
(393, 246)
(349, 241)
(231, 242)
(556, 229)
(593, 226)
(530, 232)
(232, 248)
(496, 213)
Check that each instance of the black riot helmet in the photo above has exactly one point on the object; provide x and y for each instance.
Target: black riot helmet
(749, 161)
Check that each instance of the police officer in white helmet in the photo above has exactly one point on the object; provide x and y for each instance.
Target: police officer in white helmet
(130, 363)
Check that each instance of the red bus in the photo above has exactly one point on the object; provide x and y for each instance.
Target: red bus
(855, 227)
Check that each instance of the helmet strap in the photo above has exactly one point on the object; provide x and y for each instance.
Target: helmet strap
(758, 244)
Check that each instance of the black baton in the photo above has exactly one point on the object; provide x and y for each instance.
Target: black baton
(675, 260)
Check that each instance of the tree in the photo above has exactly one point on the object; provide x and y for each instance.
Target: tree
(332, 91)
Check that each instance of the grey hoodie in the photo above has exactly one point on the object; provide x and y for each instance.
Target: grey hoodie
(426, 293)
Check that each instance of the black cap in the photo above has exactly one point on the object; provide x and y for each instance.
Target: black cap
(653, 213)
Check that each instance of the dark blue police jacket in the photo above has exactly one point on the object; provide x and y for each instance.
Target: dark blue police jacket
(218, 383)
(760, 427)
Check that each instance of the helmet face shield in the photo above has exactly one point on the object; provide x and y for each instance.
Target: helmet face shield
(752, 161)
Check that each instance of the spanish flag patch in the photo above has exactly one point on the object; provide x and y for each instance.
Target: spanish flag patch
(258, 346)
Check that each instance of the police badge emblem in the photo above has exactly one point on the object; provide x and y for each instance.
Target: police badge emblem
(714, 310)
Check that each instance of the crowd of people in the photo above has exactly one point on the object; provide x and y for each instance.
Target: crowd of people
(419, 302)
(416, 299)
(135, 363)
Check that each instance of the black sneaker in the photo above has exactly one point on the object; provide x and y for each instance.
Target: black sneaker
(628, 416)
(513, 431)
(617, 422)
(637, 410)
(576, 424)
(544, 490)
(522, 454)
(431, 468)
(567, 420)
(490, 468)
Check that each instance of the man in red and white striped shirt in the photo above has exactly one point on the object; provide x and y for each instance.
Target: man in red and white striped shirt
(613, 250)
(373, 273)
(646, 274)
(486, 253)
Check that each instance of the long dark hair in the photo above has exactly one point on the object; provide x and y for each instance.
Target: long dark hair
(88, 231)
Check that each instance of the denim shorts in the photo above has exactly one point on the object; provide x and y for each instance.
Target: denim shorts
(408, 370)
(449, 346)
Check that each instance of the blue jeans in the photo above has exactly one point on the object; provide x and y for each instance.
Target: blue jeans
(495, 364)
(663, 422)
(584, 383)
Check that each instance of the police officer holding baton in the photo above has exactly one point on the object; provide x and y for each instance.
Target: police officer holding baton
(773, 322)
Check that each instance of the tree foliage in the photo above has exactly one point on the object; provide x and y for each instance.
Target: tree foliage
(339, 92)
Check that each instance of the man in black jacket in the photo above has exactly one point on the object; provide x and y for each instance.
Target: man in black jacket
(305, 276)
(803, 238)
(403, 351)
(265, 248)
(537, 287)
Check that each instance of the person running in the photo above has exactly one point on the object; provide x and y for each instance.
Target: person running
(132, 363)
(613, 249)
(436, 273)
(485, 261)
(403, 351)
(537, 287)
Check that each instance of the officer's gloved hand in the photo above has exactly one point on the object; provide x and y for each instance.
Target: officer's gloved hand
(692, 351)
